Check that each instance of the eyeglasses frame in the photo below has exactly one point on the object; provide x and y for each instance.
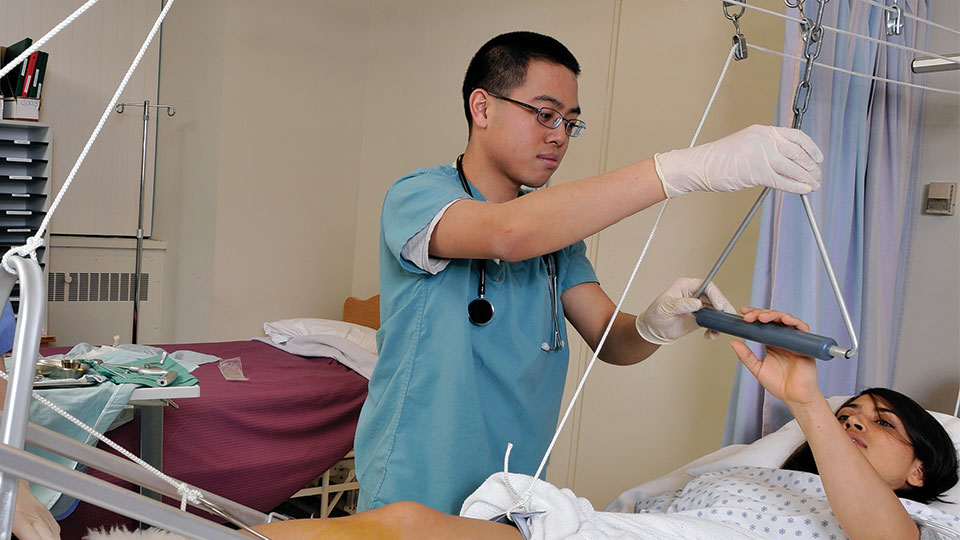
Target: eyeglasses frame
(570, 126)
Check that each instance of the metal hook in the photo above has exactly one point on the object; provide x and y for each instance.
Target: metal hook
(894, 21)
(120, 108)
(171, 110)
(733, 17)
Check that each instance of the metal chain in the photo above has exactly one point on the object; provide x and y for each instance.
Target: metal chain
(812, 33)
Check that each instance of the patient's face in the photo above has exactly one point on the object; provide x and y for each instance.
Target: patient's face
(882, 438)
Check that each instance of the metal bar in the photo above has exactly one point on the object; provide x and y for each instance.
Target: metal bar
(825, 258)
(930, 64)
(732, 242)
(26, 345)
(139, 254)
(125, 469)
(143, 180)
(151, 442)
(111, 497)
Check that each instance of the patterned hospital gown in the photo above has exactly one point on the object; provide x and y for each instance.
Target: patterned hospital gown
(776, 503)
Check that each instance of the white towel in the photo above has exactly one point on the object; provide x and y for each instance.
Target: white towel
(567, 516)
(341, 349)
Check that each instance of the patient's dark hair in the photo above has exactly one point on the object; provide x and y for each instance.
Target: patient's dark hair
(501, 63)
(931, 445)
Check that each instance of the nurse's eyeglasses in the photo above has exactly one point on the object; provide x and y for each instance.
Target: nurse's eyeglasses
(548, 117)
(480, 309)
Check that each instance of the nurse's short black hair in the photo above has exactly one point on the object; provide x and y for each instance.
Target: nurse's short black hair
(501, 63)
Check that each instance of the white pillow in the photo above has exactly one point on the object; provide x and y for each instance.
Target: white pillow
(771, 451)
(284, 330)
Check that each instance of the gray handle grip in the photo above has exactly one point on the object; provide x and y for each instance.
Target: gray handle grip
(776, 335)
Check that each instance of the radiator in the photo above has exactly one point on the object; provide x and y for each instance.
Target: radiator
(90, 290)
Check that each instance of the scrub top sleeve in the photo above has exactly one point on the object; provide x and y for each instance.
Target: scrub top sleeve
(409, 207)
(574, 266)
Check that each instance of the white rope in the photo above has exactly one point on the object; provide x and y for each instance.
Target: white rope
(522, 502)
(37, 240)
(56, 29)
(864, 75)
(187, 492)
(845, 32)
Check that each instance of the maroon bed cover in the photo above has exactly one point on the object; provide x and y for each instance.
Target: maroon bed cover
(256, 442)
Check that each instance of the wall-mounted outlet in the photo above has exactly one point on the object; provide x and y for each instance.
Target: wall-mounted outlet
(941, 198)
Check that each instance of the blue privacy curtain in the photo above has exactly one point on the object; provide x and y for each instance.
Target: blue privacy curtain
(8, 324)
(869, 132)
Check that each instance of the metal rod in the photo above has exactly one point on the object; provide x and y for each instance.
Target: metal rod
(732, 242)
(125, 469)
(930, 64)
(812, 219)
(135, 286)
(111, 497)
(139, 257)
(26, 345)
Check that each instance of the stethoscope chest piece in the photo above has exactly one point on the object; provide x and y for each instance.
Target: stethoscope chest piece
(480, 311)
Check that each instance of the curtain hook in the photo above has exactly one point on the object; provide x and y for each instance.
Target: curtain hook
(894, 20)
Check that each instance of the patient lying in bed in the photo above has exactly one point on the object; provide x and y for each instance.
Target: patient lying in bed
(867, 471)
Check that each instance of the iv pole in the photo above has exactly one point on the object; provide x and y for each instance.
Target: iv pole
(171, 110)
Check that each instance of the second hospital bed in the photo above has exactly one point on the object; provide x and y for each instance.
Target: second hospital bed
(257, 442)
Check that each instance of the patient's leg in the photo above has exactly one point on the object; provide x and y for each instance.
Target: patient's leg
(397, 521)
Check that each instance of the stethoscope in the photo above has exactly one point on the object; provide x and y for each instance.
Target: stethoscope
(480, 310)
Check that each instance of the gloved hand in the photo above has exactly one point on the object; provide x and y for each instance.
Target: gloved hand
(669, 317)
(777, 157)
(31, 519)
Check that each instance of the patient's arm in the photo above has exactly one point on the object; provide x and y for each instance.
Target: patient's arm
(397, 521)
(31, 519)
(865, 505)
(863, 502)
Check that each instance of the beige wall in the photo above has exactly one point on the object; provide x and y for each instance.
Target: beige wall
(260, 166)
(930, 337)
(87, 61)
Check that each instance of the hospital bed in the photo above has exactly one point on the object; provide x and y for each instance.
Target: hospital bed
(257, 442)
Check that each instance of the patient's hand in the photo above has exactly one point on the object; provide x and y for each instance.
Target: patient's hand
(31, 519)
(790, 377)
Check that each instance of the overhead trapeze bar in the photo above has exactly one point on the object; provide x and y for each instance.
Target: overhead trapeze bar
(806, 343)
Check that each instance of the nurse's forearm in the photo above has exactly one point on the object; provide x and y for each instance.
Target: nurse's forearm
(546, 220)
(624, 346)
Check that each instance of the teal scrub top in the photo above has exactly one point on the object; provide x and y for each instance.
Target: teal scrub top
(446, 395)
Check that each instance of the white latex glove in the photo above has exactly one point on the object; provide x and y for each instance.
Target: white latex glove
(31, 519)
(670, 316)
(777, 157)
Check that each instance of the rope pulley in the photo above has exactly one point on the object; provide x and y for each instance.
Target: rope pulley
(739, 41)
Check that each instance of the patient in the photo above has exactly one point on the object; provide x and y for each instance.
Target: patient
(884, 446)
(898, 449)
